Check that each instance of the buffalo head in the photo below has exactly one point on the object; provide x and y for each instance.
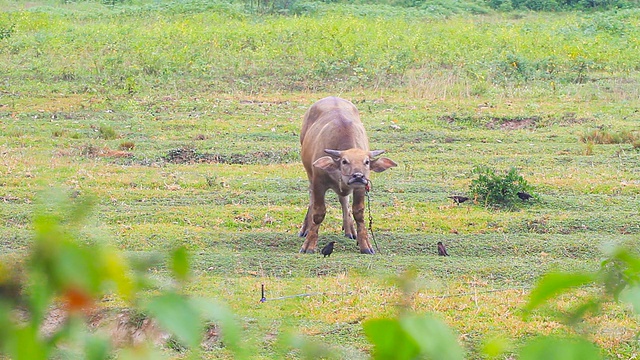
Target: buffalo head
(354, 165)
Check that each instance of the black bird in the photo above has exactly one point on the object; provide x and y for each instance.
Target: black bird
(442, 251)
(458, 198)
(327, 249)
(524, 196)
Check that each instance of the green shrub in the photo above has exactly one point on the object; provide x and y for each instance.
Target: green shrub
(67, 271)
(536, 5)
(553, 5)
(107, 132)
(6, 31)
(271, 6)
(496, 189)
(127, 145)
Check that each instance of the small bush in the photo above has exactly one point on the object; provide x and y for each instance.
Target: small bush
(496, 189)
(211, 180)
(557, 5)
(107, 132)
(270, 6)
(589, 148)
(127, 145)
(6, 31)
(59, 133)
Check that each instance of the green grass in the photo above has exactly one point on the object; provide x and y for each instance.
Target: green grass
(441, 94)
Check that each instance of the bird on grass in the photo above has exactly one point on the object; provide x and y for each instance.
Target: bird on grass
(442, 251)
(458, 199)
(327, 249)
(524, 196)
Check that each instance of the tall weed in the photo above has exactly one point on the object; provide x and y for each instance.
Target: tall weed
(176, 45)
(603, 136)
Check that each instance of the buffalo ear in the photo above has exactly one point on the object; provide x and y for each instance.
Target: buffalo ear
(326, 163)
(382, 164)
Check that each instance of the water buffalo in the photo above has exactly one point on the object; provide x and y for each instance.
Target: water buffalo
(335, 153)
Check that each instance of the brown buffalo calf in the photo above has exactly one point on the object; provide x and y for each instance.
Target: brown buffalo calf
(336, 156)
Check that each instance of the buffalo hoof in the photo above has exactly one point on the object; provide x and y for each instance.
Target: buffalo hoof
(307, 251)
(367, 251)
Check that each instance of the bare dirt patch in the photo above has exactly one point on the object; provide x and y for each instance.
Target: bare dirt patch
(494, 122)
(570, 118)
(93, 151)
(191, 156)
(512, 123)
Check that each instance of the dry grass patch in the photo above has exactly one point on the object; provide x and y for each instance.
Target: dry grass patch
(603, 136)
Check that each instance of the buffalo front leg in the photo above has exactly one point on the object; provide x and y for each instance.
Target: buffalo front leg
(358, 215)
(315, 216)
(305, 224)
(307, 218)
(347, 220)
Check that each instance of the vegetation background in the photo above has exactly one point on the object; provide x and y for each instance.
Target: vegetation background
(181, 119)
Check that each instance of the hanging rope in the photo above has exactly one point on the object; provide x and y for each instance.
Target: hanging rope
(442, 296)
(263, 298)
(290, 297)
(373, 236)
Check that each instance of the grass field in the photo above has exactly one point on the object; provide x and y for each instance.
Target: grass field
(182, 121)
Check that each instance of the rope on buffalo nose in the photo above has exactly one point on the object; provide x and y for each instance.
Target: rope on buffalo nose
(367, 192)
